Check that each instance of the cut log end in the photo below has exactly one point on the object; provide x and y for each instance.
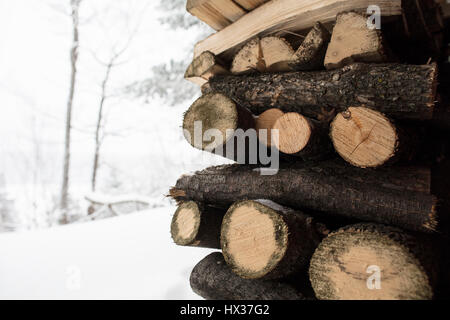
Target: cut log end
(249, 58)
(364, 137)
(277, 52)
(294, 132)
(185, 223)
(353, 41)
(267, 54)
(209, 112)
(369, 262)
(203, 68)
(266, 121)
(253, 238)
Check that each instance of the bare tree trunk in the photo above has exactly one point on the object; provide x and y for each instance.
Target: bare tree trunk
(98, 138)
(75, 4)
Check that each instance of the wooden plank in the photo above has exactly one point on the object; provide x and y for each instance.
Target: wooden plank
(249, 5)
(216, 13)
(287, 15)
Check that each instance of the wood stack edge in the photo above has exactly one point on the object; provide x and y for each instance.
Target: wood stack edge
(359, 206)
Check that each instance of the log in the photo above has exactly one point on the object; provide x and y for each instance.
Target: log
(214, 123)
(216, 13)
(398, 196)
(249, 5)
(263, 240)
(397, 90)
(267, 54)
(197, 225)
(352, 41)
(277, 52)
(374, 262)
(215, 112)
(204, 67)
(366, 138)
(212, 279)
(302, 137)
(286, 16)
(311, 53)
(249, 58)
(264, 124)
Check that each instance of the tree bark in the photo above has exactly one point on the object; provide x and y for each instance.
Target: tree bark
(396, 196)
(75, 5)
(372, 262)
(263, 240)
(98, 138)
(311, 53)
(197, 225)
(212, 279)
(400, 91)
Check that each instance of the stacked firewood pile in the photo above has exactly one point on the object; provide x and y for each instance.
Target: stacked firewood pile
(351, 95)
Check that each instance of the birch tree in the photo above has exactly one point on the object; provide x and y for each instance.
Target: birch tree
(75, 6)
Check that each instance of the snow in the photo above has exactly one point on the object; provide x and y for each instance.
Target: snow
(143, 154)
(126, 257)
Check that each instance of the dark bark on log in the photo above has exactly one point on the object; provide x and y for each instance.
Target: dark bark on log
(407, 264)
(311, 53)
(296, 235)
(396, 196)
(212, 279)
(400, 91)
(205, 221)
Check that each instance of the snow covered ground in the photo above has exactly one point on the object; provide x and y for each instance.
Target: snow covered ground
(127, 257)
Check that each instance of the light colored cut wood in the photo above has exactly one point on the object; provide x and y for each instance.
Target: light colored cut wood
(352, 41)
(261, 239)
(294, 132)
(249, 5)
(287, 16)
(277, 53)
(210, 112)
(371, 262)
(249, 58)
(203, 68)
(267, 54)
(364, 137)
(216, 13)
(266, 121)
(253, 234)
(185, 223)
